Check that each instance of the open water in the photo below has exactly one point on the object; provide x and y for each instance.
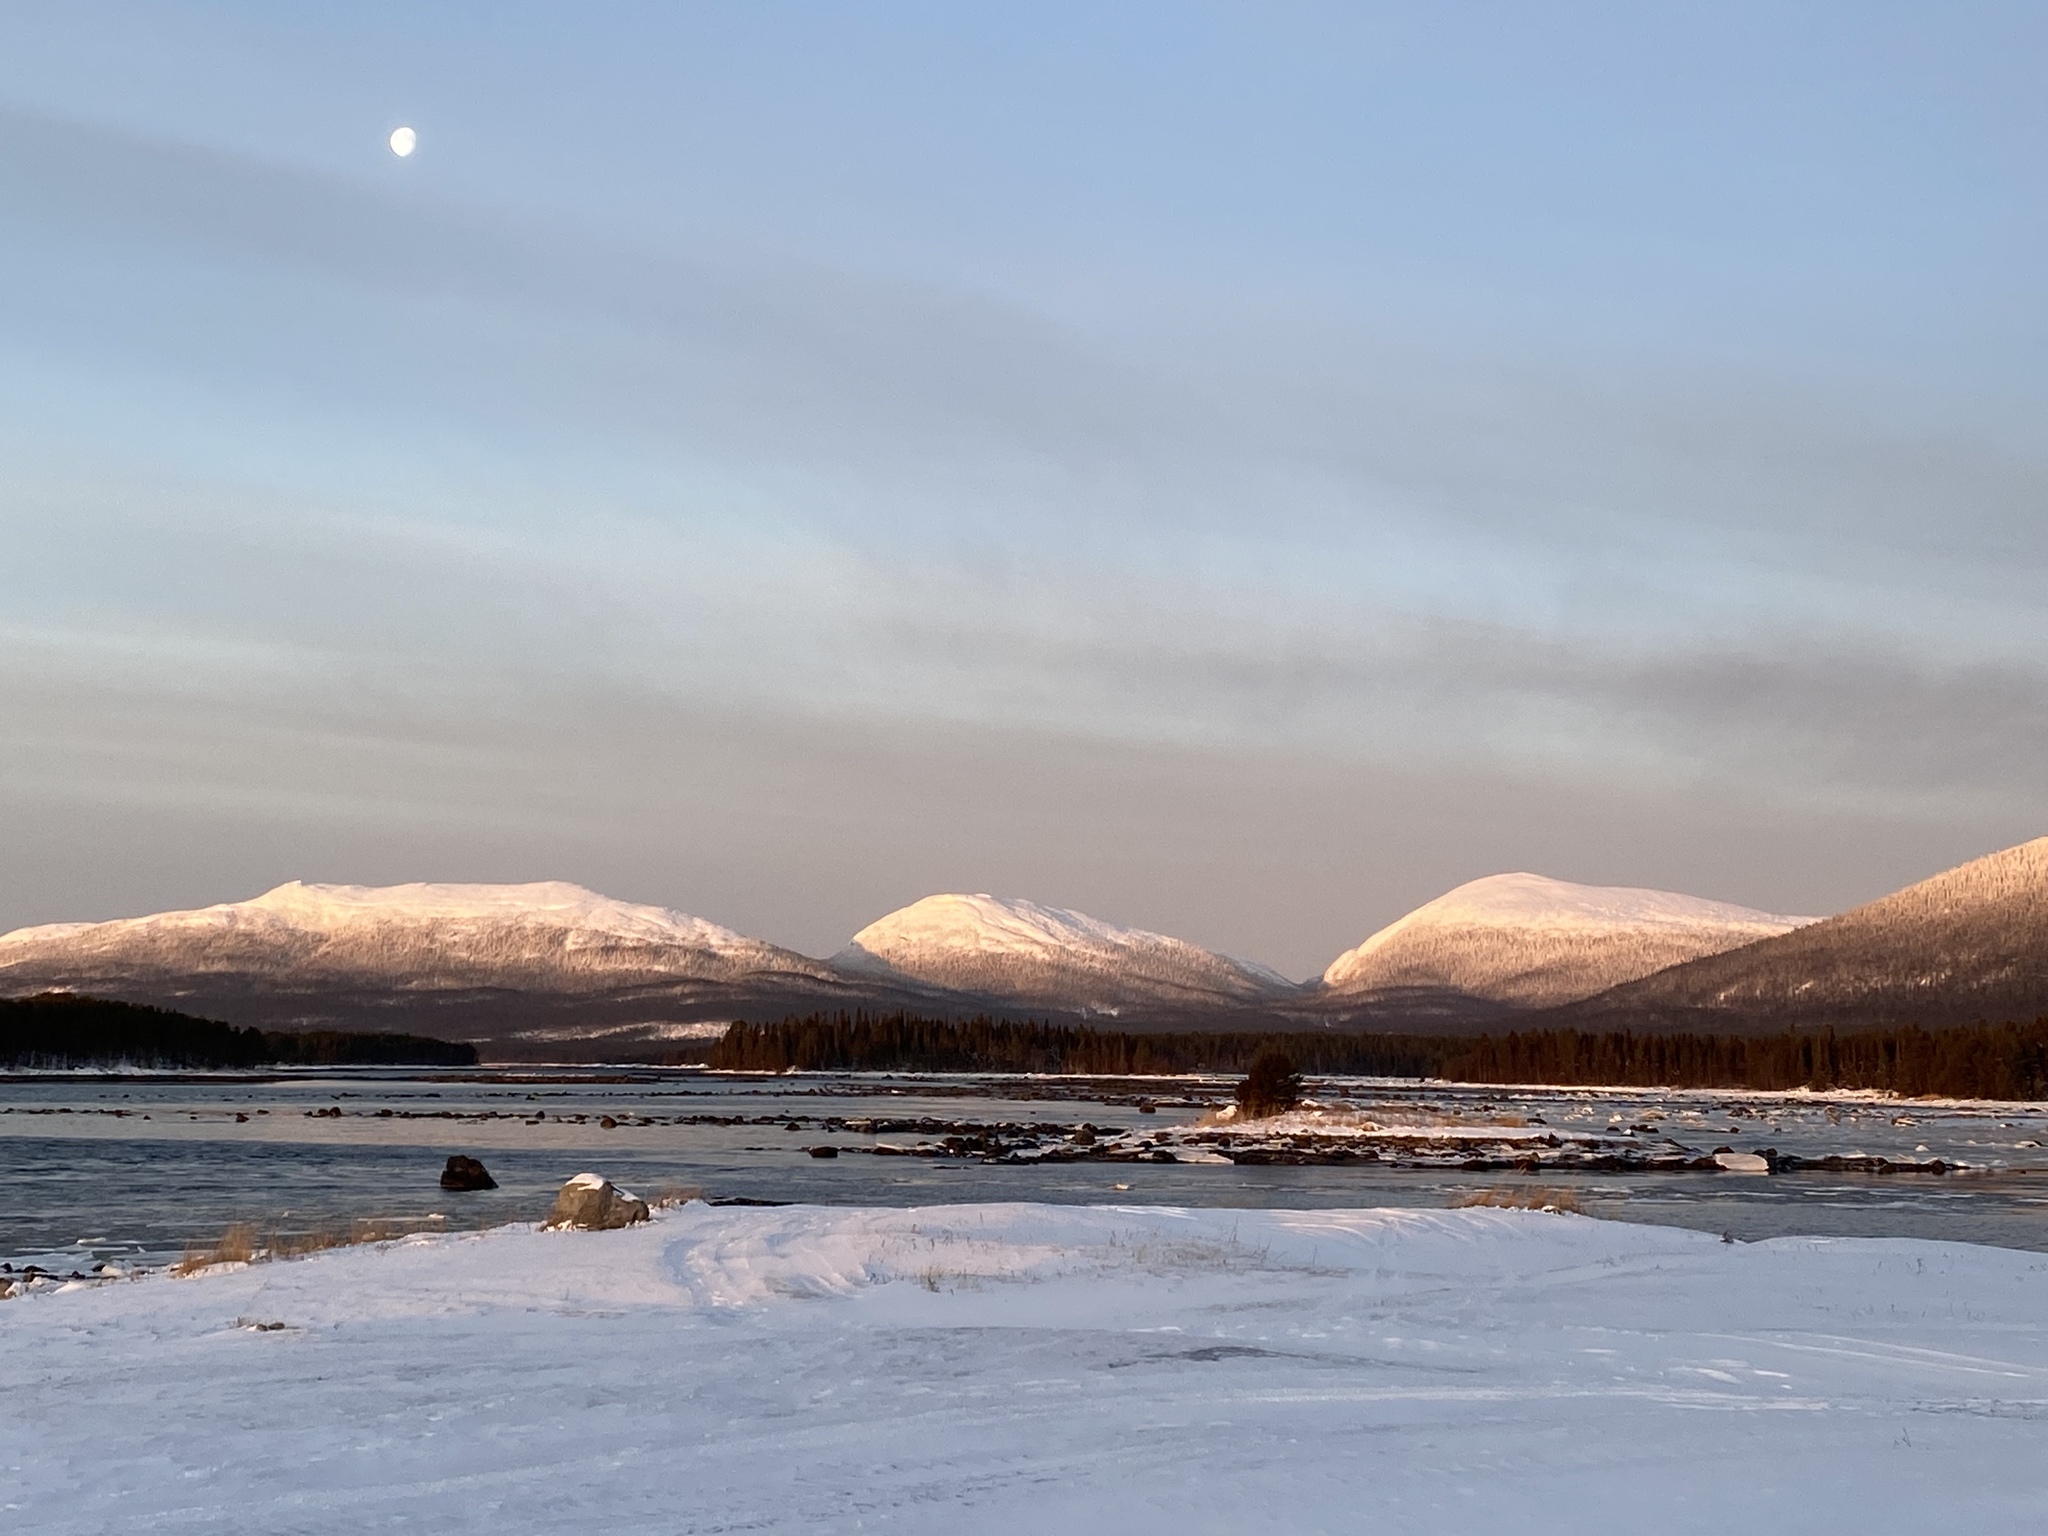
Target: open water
(123, 1170)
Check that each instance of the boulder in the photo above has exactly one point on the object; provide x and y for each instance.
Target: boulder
(1741, 1162)
(466, 1173)
(593, 1204)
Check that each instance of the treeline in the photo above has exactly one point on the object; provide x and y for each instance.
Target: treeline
(1981, 1061)
(1993, 1061)
(58, 1029)
(864, 1042)
(352, 1048)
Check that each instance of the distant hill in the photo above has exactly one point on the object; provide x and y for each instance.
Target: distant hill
(1523, 941)
(552, 970)
(1970, 944)
(544, 962)
(545, 937)
(1007, 950)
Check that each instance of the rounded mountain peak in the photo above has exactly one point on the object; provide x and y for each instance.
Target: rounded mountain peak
(541, 903)
(546, 935)
(1530, 940)
(1022, 951)
(985, 924)
(1523, 900)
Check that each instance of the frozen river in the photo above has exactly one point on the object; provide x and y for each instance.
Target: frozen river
(115, 1170)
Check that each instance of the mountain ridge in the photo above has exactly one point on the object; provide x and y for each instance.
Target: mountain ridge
(547, 935)
(552, 964)
(1966, 944)
(1021, 952)
(1527, 940)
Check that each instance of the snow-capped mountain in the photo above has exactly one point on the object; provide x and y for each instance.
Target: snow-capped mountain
(555, 962)
(1021, 953)
(552, 964)
(1529, 942)
(1969, 944)
(547, 937)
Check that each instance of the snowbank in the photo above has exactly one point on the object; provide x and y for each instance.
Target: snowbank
(1037, 1368)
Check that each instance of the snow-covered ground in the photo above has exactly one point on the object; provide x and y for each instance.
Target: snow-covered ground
(1003, 1368)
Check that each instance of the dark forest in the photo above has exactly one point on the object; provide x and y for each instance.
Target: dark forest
(58, 1029)
(2004, 1061)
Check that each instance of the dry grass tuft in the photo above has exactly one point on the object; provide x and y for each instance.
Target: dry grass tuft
(237, 1245)
(367, 1229)
(1508, 1197)
(241, 1245)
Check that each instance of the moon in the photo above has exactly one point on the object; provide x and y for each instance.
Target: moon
(403, 142)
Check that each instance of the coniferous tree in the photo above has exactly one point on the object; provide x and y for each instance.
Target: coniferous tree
(1271, 1087)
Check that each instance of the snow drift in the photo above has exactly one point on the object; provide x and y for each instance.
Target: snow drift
(1030, 1368)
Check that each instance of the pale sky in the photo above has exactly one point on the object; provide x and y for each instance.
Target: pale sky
(1233, 470)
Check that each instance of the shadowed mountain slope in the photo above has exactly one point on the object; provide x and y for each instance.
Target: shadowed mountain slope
(1969, 944)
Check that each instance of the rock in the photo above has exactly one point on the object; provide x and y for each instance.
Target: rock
(1741, 1162)
(593, 1204)
(824, 1151)
(466, 1173)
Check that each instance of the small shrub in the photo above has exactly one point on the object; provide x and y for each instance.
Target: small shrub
(241, 1243)
(364, 1229)
(1271, 1087)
